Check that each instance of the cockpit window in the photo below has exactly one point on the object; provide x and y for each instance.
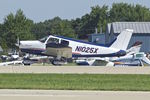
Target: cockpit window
(43, 39)
(53, 40)
(64, 42)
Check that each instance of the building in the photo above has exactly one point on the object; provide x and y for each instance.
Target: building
(97, 38)
(141, 33)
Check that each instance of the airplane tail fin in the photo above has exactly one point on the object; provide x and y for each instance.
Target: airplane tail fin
(123, 39)
(135, 48)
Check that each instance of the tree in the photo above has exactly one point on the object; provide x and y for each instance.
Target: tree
(55, 26)
(100, 16)
(97, 18)
(128, 12)
(16, 26)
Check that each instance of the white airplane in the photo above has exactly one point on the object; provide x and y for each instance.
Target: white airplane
(135, 48)
(10, 57)
(133, 58)
(137, 59)
(79, 48)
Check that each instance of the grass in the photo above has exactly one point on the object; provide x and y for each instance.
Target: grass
(75, 82)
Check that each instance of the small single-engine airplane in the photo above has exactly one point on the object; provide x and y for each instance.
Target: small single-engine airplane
(79, 48)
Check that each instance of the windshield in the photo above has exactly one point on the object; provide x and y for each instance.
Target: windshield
(43, 39)
(53, 40)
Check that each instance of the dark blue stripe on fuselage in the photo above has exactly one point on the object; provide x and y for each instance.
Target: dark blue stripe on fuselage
(30, 51)
(80, 41)
(117, 54)
(40, 52)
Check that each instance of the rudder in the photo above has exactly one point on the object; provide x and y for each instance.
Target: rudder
(123, 39)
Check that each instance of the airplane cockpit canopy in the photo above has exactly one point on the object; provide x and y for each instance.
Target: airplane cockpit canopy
(49, 40)
(54, 40)
(43, 39)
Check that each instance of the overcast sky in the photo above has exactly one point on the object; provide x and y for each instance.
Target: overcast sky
(40, 10)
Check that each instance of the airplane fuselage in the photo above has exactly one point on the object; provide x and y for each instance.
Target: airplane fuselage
(79, 48)
(32, 47)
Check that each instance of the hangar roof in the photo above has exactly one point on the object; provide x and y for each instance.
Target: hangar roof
(138, 27)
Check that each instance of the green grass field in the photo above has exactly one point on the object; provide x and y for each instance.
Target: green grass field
(75, 82)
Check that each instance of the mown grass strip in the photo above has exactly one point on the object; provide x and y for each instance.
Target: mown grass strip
(75, 82)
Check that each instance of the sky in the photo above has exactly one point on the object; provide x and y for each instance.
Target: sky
(40, 10)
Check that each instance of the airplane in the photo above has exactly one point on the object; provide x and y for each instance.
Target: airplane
(133, 57)
(135, 48)
(10, 57)
(79, 49)
(137, 59)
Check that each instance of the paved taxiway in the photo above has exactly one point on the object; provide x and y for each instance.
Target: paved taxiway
(72, 95)
(75, 69)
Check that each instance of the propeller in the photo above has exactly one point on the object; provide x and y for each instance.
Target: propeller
(18, 42)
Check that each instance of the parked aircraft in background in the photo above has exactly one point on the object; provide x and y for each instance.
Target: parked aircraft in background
(80, 49)
(137, 59)
(133, 58)
(18, 62)
(135, 48)
(10, 57)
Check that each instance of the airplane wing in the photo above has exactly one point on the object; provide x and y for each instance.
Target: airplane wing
(10, 63)
(135, 48)
(95, 62)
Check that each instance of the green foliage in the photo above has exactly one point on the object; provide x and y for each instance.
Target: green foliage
(100, 16)
(128, 12)
(55, 26)
(16, 26)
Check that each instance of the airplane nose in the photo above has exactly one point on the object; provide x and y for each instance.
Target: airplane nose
(18, 44)
(22, 44)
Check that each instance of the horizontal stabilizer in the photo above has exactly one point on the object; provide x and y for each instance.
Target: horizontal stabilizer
(135, 48)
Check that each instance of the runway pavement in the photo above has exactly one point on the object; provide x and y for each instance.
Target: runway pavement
(75, 69)
(72, 95)
(12, 94)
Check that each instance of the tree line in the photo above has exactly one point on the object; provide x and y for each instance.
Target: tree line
(19, 26)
